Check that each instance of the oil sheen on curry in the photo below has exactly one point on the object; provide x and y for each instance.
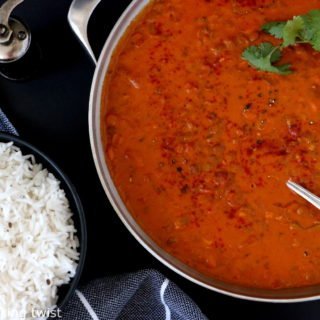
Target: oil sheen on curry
(200, 144)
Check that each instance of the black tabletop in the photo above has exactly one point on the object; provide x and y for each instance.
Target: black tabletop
(50, 110)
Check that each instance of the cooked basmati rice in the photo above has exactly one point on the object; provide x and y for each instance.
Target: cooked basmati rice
(38, 246)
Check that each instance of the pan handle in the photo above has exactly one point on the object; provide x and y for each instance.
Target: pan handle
(79, 15)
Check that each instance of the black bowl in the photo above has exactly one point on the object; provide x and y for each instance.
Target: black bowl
(65, 291)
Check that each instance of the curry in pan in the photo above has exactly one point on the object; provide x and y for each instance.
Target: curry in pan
(210, 107)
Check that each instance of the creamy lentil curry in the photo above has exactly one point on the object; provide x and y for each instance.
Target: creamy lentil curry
(200, 144)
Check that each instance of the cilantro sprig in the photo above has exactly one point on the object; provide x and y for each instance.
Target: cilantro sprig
(264, 56)
(300, 29)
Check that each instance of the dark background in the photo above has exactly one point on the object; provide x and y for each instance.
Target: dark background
(50, 110)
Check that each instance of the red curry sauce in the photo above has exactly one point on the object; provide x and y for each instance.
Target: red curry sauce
(200, 144)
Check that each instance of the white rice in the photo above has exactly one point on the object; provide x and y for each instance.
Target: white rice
(38, 246)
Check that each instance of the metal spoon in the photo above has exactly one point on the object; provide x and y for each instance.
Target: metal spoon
(304, 193)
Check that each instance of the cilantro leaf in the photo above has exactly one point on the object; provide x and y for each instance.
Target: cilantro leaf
(274, 28)
(311, 32)
(293, 30)
(263, 56)
(304, 28)
(316, 41)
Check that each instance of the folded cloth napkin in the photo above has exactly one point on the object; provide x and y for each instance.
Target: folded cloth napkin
(6, 125)
(143, 295)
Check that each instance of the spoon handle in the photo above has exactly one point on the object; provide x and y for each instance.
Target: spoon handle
(304, 193)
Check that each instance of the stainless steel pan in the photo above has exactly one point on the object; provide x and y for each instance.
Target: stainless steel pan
(79, 16)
